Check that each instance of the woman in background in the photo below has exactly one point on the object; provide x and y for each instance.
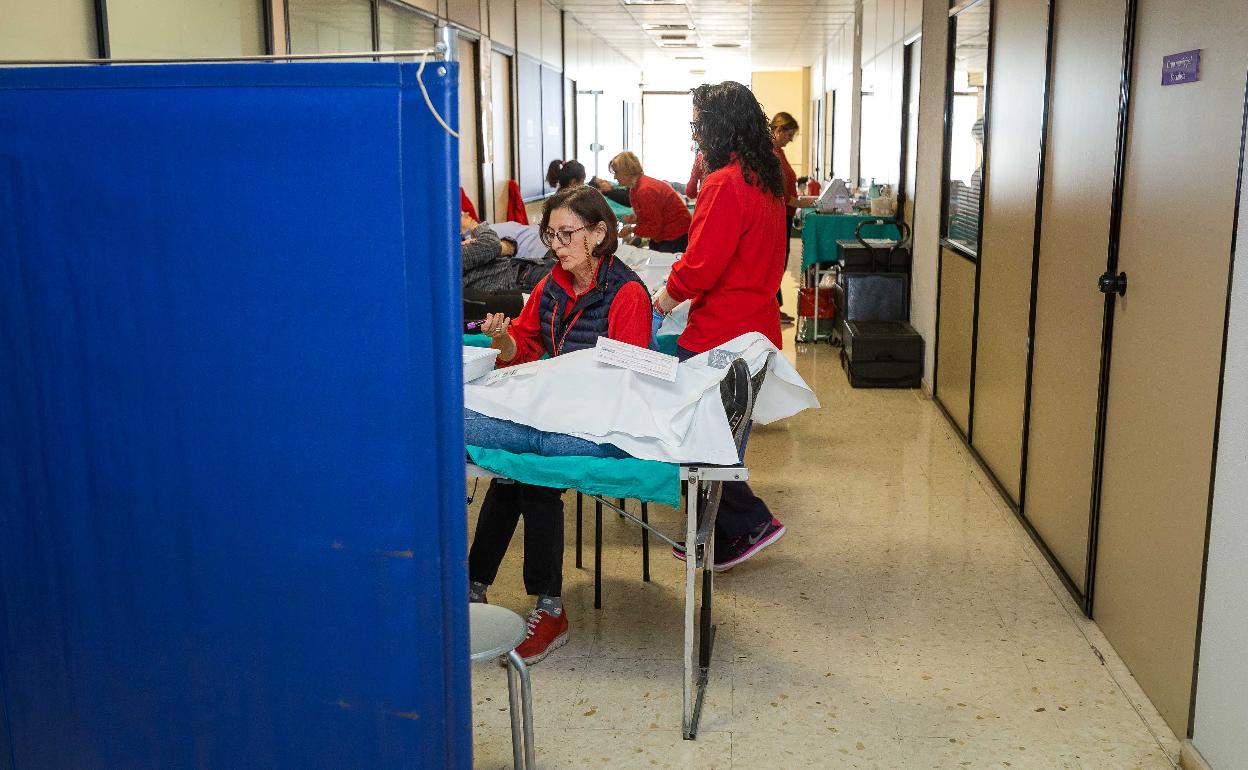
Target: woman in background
(783, 129)
(562, 174)
(731, 272)
(660, 213)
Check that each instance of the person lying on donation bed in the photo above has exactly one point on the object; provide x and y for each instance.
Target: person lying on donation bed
(732, 270)
(494, 274)
(660, 214)
(618, 195)
(589, 294)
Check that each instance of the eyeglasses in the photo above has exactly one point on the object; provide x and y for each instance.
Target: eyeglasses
(564, 236)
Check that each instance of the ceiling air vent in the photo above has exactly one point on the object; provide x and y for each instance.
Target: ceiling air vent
(726, 45)
(666, 27)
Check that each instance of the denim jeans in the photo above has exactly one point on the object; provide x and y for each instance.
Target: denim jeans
(493, 433)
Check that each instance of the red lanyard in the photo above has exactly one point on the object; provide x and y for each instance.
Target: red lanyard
(557, 347)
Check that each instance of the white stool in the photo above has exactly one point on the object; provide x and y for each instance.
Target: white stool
(494, 633)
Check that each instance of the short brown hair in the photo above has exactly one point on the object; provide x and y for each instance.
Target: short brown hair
(626, 162)
(783, 121)
(588, 204)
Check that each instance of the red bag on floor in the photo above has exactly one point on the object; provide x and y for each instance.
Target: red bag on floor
(806, 302)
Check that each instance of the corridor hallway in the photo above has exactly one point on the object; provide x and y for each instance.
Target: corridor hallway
(905, 621)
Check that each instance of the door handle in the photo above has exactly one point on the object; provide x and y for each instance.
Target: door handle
(1113, 284)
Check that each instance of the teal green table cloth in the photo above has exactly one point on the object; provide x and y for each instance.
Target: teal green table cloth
(820, 232)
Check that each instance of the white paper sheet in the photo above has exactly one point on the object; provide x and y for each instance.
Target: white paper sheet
(637, 359)
(680, 422)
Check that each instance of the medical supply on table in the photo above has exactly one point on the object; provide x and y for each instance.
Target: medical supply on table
(478, 362)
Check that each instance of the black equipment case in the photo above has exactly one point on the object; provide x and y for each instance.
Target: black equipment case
(882, 354)
(882, 293)
(854, 256)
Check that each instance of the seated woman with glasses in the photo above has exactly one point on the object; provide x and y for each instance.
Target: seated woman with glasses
(589, 294)
(660, 213)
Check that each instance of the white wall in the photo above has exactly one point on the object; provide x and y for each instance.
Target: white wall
(1220, 730)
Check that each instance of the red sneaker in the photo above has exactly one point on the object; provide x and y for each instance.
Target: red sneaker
(547, 633)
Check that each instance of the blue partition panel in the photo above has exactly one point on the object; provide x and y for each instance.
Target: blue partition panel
(231, 453)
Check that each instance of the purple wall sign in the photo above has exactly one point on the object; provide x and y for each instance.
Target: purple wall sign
(1180, 68)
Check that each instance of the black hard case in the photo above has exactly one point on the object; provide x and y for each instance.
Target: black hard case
(882, 354)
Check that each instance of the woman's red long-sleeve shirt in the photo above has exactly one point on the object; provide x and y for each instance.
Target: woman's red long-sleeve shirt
(734, 262)
(628, 320)
(790, 183)
(661, 214)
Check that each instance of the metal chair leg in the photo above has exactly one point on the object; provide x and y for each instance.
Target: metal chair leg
(513, 698)
(645, 542)
(579, 501)
(597, 554)
(526, 706)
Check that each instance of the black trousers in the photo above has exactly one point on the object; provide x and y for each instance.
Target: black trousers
(788, 247)
(478, 303)
(674, 246)
(740, 510)
(542, 508)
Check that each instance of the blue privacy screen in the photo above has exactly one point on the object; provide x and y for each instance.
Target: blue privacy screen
(232, 526)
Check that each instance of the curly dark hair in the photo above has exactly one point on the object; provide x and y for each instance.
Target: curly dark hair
(732, 125)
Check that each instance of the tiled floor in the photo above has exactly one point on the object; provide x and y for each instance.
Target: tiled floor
(905, 621)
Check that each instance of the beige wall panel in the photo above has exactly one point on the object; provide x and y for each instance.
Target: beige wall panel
(501, 135)
(1167, 343)
(503, 22)
(466, 12)
(1016, 82)
(928, 180)
(1074, 242)
(957, 310)
(786, 91)
(469, 124)
(529, 27)
(52, 29)
(913, 17)
(432, 6)
(552, 35)
(184, 28)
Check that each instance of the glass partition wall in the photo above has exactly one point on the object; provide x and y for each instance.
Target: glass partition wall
(966, 116)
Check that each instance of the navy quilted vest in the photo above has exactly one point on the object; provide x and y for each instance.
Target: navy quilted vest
(589, 317)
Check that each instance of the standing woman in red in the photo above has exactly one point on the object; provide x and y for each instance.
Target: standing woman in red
(731, 272)
(659, 213)
(783, 129)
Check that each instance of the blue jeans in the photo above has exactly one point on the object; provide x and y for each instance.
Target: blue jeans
(493, 433)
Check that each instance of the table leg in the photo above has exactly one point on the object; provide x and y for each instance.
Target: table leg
(692, 493)
(645, 542)
(579, 500)
(597, 554)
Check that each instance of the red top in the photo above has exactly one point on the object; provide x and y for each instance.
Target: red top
(790, 183)
(734, 262)
(695, 177)
(515, 204)
(813, 187)
(661, 214)
(628, 320)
